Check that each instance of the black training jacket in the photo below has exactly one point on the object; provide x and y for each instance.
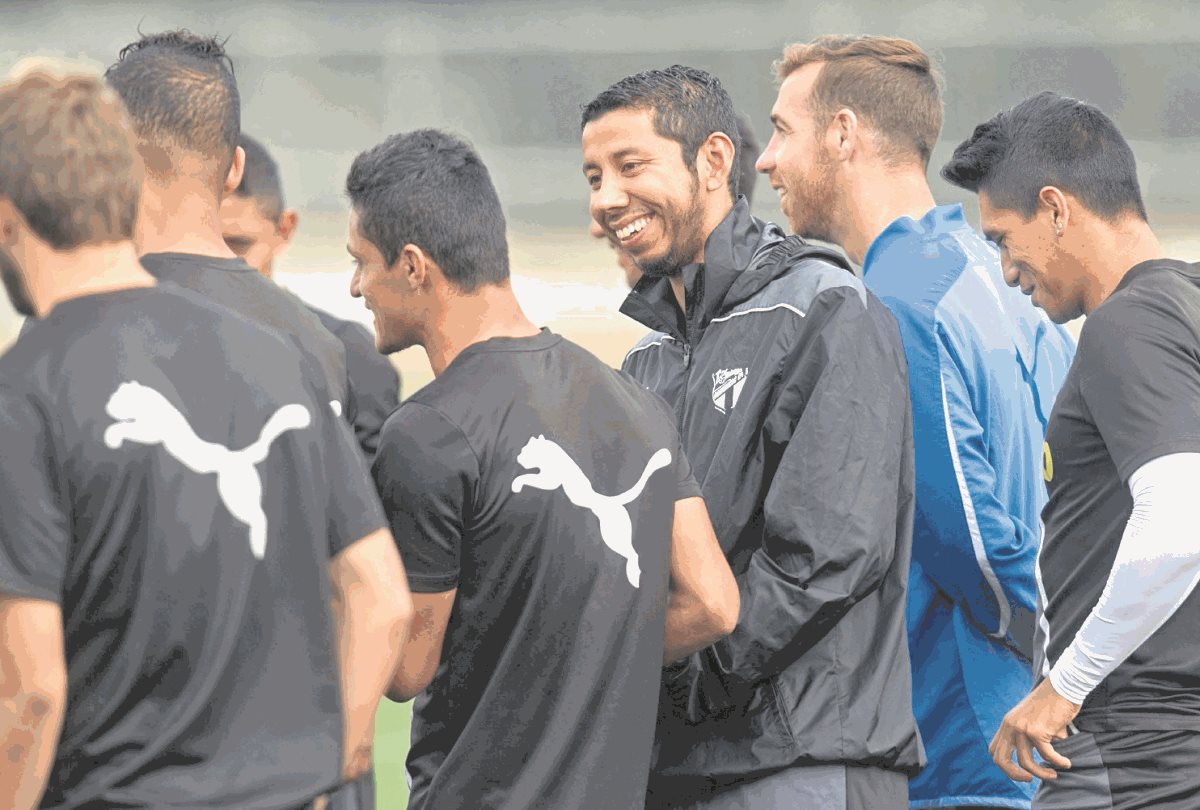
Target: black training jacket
(789, 384)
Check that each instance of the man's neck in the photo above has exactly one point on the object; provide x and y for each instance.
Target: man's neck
(88, 270)
(182, 218)
(490, 312)
(1110, 252)
(877, 201)
(713, 217)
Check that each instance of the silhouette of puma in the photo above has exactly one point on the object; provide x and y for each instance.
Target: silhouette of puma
(145, 416)
(557, 469)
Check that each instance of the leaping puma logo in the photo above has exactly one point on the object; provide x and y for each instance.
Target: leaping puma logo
(557, 469)
(145, 416)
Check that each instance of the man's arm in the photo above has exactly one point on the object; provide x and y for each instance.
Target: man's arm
(372, 611)
(703, 603)
(423, 650)
(33, 696)
(832, 509)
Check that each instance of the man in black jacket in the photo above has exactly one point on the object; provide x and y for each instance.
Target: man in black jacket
(789, 383)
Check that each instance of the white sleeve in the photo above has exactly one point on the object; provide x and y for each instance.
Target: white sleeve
(1156, 569)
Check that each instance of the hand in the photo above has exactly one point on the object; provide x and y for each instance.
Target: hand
(1041, 717)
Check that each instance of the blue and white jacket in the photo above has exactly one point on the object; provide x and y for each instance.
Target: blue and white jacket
(984, 369)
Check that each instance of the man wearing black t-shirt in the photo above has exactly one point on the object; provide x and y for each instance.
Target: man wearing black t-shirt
(1118, 712)
(180, 510)
(258, 226)
(549, 521)
(182, 96)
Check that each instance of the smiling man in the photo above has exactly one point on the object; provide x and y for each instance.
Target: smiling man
(788, 383)
(1116, 715)
(541, 500)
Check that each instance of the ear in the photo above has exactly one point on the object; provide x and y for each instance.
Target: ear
(413, 267)
(714, 161)
(1054, 202)
(287, 224)
(234, 178)
(843, 135)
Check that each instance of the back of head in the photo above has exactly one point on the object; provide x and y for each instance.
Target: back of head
(688, 104)
(431, 189)
(180, 91)
(68, 159)
(1050, 140)
(888, 82)
(260, 179)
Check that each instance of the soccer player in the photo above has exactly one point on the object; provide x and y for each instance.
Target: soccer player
(181, 508)
(180, 91)
(1116, 716)
(746, 176)
(855, 122)
(546, 513)
(258, 227)
(788, 381)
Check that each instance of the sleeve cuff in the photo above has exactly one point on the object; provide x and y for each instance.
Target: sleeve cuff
(1069, 678)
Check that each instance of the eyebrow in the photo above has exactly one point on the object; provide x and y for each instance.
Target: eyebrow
(617, 156)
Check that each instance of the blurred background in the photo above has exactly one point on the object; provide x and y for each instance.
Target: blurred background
(322, 81)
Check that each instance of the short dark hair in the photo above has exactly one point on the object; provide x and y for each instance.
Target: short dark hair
(689, 105)
(260, 179)
(68, 158)
(181, 92)
(1050, 140)
(747, 156)
(430, 189)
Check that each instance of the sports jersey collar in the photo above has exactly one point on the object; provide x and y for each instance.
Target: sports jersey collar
(709, 287)
(1186, 268)
(940, 220)
(532, 343)
(234, 265)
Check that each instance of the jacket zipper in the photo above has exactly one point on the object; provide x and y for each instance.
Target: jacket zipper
(681, 410)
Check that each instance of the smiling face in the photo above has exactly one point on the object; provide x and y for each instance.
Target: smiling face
(644, 197)
(385, 291)
(1033, 258)
(796, 162)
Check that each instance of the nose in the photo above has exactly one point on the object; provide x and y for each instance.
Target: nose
(766, 161)
(1011, 273)
(608, 197)
(355, 288)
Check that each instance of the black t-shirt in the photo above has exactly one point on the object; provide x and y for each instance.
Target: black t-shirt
(177, 484)
(374, 382)
(1131, 395)
(547, 690)
(236, 285)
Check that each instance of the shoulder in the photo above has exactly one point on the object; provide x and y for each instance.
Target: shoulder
(649, 342)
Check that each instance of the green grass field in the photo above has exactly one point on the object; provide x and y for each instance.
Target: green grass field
(391, 746)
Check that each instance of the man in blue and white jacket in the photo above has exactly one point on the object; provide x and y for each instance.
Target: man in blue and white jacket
(984, 370)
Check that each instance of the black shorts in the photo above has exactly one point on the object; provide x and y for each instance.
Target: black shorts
(1126, 770)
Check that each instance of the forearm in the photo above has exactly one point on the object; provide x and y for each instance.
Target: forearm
(29, 729)
(1156, 568)
(691, 625)
(370, 632)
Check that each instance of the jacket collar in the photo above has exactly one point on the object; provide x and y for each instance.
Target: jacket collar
(711, 288)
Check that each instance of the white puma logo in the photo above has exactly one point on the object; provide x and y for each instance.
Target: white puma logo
(557, 469)
(145, 416)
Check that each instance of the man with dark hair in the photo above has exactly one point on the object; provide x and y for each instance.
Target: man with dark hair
(164, 605)
(183, 99)
(1115, 716)
(746, 154)
(788, 381)
(855, 122)
(545, 510)
(257, 226)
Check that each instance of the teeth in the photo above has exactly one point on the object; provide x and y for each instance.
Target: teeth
(632, 228)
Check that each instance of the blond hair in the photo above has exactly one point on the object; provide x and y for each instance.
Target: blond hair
(887, 81)
(68, 156)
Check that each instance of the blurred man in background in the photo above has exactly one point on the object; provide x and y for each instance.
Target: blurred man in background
(1115, 716)
(258, 227)
(180, 510)
(855, 122)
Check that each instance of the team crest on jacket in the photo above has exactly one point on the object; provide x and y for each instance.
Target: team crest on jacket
(727, 387)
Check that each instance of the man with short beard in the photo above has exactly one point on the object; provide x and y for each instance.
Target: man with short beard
(180, 509)
(855, 122)
(788, 383)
